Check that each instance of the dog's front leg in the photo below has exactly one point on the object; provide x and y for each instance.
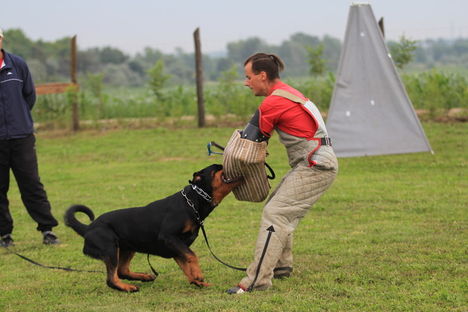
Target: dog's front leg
(185, 258)
(191, 268)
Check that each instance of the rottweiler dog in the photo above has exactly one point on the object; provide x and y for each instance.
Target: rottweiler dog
(165, 228)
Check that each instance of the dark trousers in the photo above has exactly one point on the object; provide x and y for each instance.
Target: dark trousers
(19, 155)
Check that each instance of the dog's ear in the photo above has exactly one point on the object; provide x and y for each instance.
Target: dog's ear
(196, 177)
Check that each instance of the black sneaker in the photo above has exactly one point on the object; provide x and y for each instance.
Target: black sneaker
(284, 272)
(236, 290)
(49, 238)
(6, 241)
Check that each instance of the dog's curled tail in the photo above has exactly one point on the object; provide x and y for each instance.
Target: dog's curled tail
(72, 221)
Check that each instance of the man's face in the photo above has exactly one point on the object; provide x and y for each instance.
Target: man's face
(256, 82)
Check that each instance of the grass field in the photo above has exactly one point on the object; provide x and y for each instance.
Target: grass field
(390, 235)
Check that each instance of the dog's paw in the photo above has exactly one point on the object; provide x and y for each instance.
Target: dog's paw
(148, 277)
(131, 276)
(123, 287)
(130, 288)
(200, 283)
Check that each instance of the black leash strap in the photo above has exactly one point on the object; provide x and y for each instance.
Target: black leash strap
(212, 253)
(270, 230)
(93, 271)
(47, 266)
(151, 267)
(272, 175)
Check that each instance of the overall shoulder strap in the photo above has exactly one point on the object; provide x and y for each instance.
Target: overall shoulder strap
(309, 107)
(289, 96)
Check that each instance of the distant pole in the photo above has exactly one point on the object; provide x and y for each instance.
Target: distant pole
(199, 79)
(74, 81)
(381, 25)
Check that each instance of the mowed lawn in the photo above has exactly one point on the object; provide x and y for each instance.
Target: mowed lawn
(390, 235)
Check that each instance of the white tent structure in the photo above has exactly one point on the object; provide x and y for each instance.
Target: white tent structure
(370, 112)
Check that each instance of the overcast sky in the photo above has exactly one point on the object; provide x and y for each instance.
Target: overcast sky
(132, 25)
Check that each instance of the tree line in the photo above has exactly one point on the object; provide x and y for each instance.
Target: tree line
(49, 61)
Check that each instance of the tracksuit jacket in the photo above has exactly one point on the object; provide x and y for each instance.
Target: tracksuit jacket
(17, 98)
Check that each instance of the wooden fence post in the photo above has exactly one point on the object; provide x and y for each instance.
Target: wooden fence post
(73, 71)
(199, 79)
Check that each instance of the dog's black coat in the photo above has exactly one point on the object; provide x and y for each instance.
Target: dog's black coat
(166, 228)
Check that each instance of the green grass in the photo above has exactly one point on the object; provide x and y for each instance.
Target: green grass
(390, 235)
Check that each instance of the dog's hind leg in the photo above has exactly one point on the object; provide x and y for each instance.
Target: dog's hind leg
(113, 280)
(191, 268)
(101, 243)
(125, 257)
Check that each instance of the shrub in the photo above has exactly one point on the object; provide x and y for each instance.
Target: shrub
(434, 90)
(318, 89)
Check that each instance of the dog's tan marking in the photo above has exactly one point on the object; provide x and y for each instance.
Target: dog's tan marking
(113, 279)
(123, 270)
(192, 270)
(189, 226)
(220, 188)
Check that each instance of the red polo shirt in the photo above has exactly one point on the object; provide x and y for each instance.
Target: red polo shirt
(286, 115)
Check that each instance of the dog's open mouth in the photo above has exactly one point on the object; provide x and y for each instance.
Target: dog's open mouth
(231, 180)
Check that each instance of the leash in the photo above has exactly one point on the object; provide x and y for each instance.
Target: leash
(200, 223)
(67, 269)
(48, 266)
(151, 267)
(212, 253)
(270, 230)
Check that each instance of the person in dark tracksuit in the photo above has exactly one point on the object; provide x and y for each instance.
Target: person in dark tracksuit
(17, 149)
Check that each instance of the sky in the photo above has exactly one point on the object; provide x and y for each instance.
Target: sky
(132, 25)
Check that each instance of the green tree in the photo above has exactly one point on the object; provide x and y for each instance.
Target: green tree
(112, 56)
(240, 50)
(403, 51)
(17, 42)
(96, 85)
(157, 78)
(315, 59)
(331, 52)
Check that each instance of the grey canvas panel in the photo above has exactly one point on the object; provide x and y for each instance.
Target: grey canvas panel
(370, 112)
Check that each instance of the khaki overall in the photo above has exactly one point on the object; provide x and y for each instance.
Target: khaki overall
(299, 189)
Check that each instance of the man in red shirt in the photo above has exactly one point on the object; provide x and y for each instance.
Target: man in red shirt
(313, 167)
